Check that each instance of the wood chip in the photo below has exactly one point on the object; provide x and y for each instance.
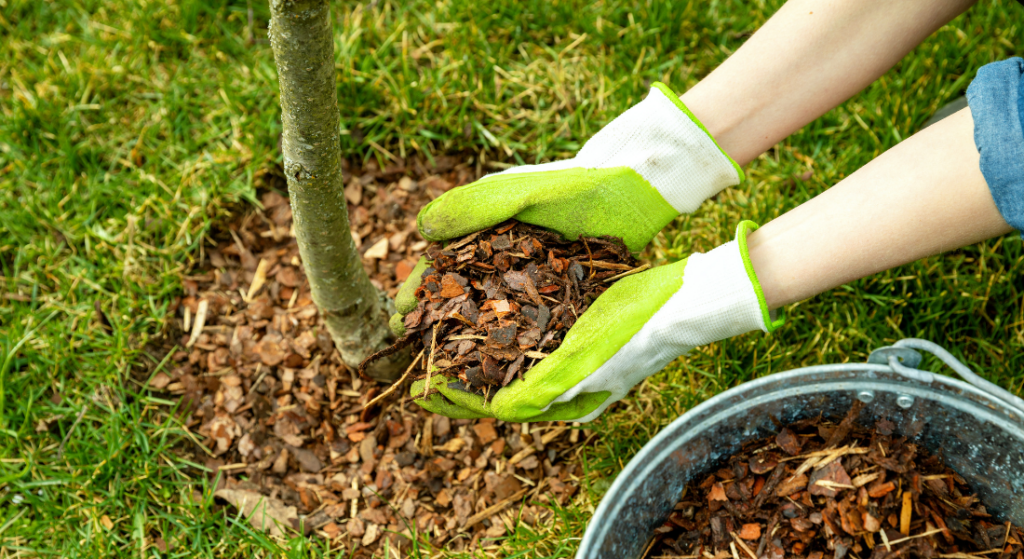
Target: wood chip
(907, 513)
(258, 280)
(197, 327)
(807, 505)
(378, 250)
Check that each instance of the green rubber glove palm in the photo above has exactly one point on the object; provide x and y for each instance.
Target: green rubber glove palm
(631, 331)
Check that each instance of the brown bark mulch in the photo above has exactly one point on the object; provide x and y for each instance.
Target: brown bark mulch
(274, 414)
(825, 490)
(495, 302)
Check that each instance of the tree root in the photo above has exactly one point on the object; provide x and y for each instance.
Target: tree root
(390, 350)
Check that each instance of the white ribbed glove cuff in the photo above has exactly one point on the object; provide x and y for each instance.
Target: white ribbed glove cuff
(663, 141)
(720, 298)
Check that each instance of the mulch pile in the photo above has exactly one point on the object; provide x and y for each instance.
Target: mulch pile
(493, 302)
(820, 489)
(279, 420)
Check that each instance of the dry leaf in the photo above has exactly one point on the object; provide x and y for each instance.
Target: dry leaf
(159, 381)
(354, 192)
(379, 250)
(263, 512)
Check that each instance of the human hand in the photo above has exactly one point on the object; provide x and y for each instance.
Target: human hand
(634, 176)
(630, 332)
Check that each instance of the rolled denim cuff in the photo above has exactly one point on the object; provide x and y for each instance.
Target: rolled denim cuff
(996, 98)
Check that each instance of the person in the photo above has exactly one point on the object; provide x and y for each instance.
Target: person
(952, 184)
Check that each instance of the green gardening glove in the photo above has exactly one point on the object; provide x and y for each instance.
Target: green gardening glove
(653, 162)
(632, 178)
(405, 301)
(630, 332)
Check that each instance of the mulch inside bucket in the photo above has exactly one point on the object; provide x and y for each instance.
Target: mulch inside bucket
(820, 489)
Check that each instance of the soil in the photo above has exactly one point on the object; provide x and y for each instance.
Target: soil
(819, 489)
(274, 415)
(494, 303)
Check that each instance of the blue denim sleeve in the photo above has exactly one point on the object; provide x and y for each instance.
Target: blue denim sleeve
(996, 98)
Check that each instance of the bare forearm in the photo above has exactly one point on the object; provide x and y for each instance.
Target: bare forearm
(925, 196)
(809, 57)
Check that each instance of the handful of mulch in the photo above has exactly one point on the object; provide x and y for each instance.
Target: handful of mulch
(497, 301)
(821, 490)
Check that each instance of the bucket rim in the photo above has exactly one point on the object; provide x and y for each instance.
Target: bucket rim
(646, 456)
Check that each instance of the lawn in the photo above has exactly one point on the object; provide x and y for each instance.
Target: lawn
(130, 128)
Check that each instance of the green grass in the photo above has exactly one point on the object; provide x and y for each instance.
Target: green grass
(129, 128)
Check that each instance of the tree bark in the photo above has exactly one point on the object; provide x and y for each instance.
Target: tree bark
(303, 45)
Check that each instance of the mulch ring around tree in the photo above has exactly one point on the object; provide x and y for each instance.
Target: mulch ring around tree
(824, 490)
(279, 421)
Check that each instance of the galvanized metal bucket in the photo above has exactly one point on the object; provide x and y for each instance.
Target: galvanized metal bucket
(975, 426)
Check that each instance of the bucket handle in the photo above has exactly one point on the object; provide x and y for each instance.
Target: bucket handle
(902, 358)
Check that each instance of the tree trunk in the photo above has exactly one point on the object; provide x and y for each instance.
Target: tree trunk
(303, 45)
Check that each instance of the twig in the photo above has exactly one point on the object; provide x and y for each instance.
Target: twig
(833, 485)
(826, 452)
(78, 419)
(521, 455)
(590, 256)
(426, 446)
(259, 376)
(839, 453)
(236, 466)
(974, 555)
(772, 522)
(397, 383)
(465, 241)
(654, 540)
(601, 265)
(865, 479)
(636, 270)
(743, 545)
(393, 348)
(922, 535)
(193, 438)
(493, 509)
(769, 488)
(430, 362)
